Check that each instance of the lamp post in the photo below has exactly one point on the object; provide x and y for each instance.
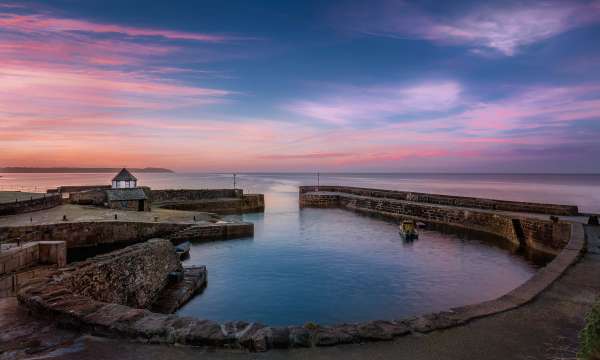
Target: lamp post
(234, 184)
(318, 180)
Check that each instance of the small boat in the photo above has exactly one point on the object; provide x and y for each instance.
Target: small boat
(408, 231)
(183, 249)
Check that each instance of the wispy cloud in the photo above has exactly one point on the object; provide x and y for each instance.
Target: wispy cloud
(504, 27)
(369, 104)
(45, 24)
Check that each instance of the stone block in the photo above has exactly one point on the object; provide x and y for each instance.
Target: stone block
(299, 337)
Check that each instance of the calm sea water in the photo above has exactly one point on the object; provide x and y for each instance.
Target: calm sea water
(329, 265)
(582, 190)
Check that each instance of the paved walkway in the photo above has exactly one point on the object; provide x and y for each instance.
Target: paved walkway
(80, 213)
(546, 328)
(11, 196)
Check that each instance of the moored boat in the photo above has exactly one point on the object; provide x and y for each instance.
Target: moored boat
(183, 249)
(408, 230)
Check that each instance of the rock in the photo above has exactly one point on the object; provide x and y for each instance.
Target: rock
(179, 329)
(246, 336)
(329, 336)
(431, 322)
(206, 332)
(151, 327)
(262, 339)
(299, 336)
(232, 328)
(381, 330)
(281, 337)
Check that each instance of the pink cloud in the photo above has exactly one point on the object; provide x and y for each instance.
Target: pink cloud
(45, 24)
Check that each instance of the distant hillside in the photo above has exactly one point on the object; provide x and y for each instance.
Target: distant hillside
(79, 170)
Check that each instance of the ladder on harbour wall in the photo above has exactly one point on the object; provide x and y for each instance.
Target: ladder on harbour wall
(519, 233)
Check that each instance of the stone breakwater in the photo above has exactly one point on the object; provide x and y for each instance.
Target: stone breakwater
(221, 201)
(94, 233)
(58, 297)
(513, 223)
(26, 206)
(449, 200)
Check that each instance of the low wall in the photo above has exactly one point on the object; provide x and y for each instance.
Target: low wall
(132, 276)
(33, 254)
(86, 238)
(76, 188)
(92, 233)
(532, 233)
(460, 201)
(19, 265)
(20, 207)
(190, 194)
(247, 203)
(95, 197)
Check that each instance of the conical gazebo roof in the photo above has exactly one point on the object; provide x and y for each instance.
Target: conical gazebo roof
(124, 175)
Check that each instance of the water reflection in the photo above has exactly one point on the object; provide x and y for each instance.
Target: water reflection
(332, 265)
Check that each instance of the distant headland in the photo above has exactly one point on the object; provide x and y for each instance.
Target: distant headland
(79, 170)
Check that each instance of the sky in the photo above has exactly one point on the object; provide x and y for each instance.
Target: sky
(245, 86)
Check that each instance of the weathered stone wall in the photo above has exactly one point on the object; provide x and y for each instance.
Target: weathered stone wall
(538, 234)
(544, 235)
(190, 194)
(77, 188)
(33, 254)
(247, 203)
(19, 265)
(90, 234)
(20, 207)
(93, 233)
(460, 201)
(132, 276)
(95, 197)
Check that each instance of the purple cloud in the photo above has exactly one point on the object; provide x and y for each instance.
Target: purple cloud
(375, 103)
(501, 28)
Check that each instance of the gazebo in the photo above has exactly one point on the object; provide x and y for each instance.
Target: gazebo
(124, 180)
(126, 195)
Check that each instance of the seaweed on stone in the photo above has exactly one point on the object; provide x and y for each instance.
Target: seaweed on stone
(590, 335)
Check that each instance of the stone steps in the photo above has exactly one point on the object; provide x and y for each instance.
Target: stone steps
(176, 294)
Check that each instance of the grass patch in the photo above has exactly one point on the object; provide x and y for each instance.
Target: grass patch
(590, 335)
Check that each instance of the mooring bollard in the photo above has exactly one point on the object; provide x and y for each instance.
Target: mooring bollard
(593, 220)
(156, 219)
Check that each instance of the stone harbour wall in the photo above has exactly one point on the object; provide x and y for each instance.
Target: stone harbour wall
(20, 264)
(460, 201)
(247, 203)
(132, 276)
(20, 207)
(77, 188)
(537, 234)
(92, 233)
(95, 197)
(190, 194)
